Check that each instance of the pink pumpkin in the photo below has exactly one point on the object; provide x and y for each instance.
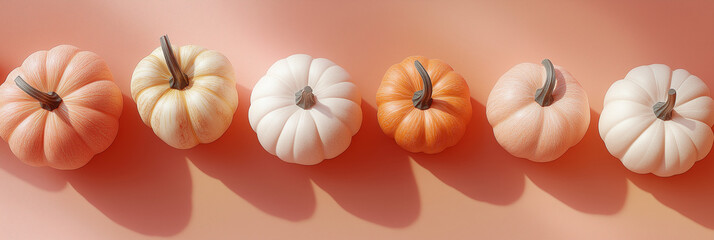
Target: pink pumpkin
(60, 108)
(538, 112)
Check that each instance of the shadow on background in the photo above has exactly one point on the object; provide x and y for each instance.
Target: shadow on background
(140, 182)
(690, 193)
(239, 161)
(373, 178)
(477, 166)
(586, 178)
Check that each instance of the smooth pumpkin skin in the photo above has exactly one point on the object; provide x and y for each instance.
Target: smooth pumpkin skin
(86, 122)
(299, 135)
(525, 128)
(432, 130)
(646, 144)
(201, 112)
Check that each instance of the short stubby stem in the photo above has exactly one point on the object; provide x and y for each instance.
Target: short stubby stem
(422, 98)
(48, 101)
(663, 110)
(178, 80)
(544, 95)
(304, 98)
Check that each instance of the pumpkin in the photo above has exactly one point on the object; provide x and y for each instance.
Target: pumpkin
(187, 96)
(658, 121)
(305, 110)
(538, 112)
(423, 104)
(59, 108)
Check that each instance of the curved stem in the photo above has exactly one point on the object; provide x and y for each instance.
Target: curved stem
(179, 80)
(422, 98)
(663, 110)
(48, 101)
(304, 98)
(544, 95)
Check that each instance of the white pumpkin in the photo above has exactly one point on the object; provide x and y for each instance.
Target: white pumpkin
(305, 110)
(658, 121)
(188, 101)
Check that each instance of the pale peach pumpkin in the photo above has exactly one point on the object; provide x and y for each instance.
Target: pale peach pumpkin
(538, 112)
(60, 108)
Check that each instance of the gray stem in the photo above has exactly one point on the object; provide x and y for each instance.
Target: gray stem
(304, 98)
(663, 110)
(544, 95)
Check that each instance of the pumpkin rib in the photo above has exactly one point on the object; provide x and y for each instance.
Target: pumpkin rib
(63, 68)
(146, 88)
(402, 110)
(652, 98)
(541, 128)
(299, 115)
(153, 106)
(689, 137)
(93, 109)
(568, 122)
(81, 137)
(321, 91)
(211, 92)
(271, 111)
(319, 137)
(11, 132)
(511, 114)
(182, 96)
(191, 62)
(639, 135)
(341, 121)
(322, 74)
(288, 112)
(279, 79)
(65, 88)
(607, 132)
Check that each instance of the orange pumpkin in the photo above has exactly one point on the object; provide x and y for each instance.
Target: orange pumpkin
(423, 104)
(60, 108)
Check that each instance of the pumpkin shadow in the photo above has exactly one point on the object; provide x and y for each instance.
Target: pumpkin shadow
(690, 193)
(139, 182)
(373, 178)
(586, 178)
(239, 161)
(478, 166)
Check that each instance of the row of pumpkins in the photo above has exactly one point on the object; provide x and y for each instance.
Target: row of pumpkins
(61, 107)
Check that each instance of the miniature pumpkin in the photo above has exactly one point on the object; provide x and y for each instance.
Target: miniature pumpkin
(59, 108)
(538, 112)
(423, 104)
(187, 96)
(658, 121)
(305, 110)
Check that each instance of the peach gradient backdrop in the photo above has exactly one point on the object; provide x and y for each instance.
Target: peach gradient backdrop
(232, 189)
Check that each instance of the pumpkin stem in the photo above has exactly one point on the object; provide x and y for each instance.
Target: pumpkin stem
(544, 95)
(48, 101)
(663, 110)
(422, 98)
(304, 98)
(178, 80)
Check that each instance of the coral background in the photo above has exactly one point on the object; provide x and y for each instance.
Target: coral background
(141, 188)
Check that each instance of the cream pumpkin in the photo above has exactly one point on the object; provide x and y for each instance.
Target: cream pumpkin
(658, 121)
(59, 108)
(187, 96)
(305, 110)
(538, 112)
